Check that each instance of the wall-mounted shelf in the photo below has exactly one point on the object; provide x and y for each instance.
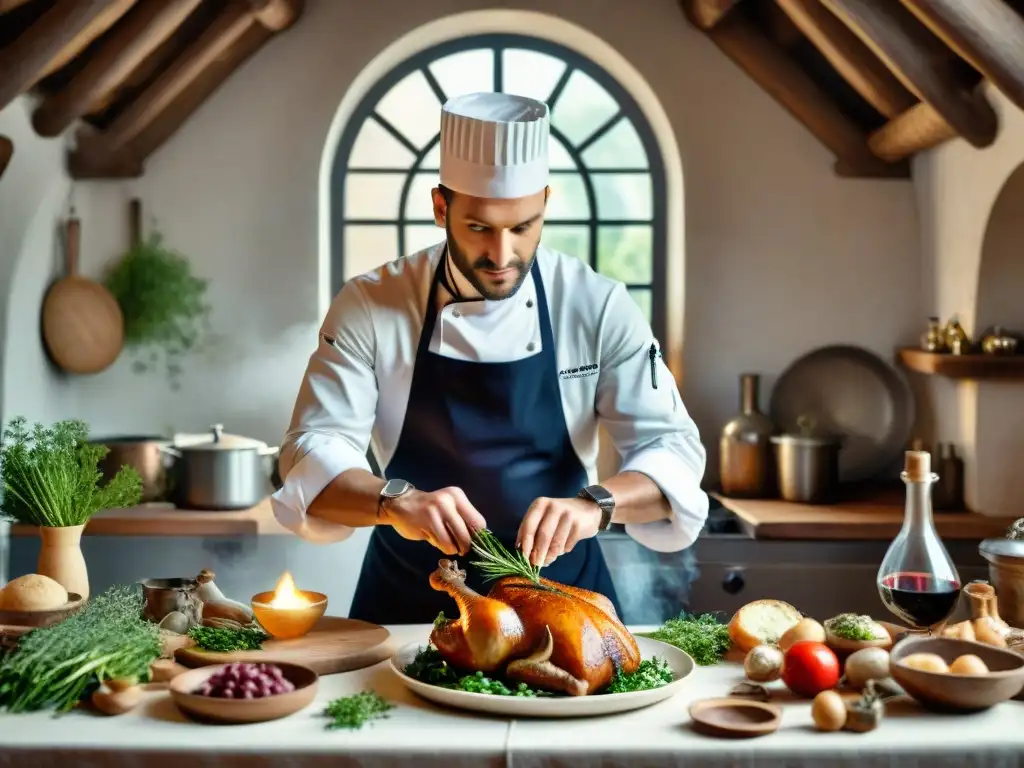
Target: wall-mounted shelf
(971, 366)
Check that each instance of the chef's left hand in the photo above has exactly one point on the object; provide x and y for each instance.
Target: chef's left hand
(553, 526)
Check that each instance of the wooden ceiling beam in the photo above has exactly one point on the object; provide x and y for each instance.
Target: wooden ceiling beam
(917, 129)
(705, 15)
(921, 62)
(27, 56)
(6, 152)
(794, 90)
(145, 27)
(857, 64)
(988, 34)
(214, 42)
(110, 16)
(94, 158)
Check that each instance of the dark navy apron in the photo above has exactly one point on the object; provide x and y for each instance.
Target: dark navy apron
(497, 431)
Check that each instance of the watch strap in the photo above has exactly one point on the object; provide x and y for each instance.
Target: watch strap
(604, 500)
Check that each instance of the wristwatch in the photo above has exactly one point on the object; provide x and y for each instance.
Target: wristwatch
(392, 490)
(603, 498)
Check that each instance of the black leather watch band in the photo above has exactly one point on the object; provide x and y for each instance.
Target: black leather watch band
(604, 499)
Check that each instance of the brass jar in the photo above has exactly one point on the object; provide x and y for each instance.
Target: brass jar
(747, 462)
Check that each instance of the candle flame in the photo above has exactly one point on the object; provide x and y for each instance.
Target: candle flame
(286, 595)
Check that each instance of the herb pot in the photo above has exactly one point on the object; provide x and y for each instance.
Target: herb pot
(219, 471)
(808, 465)
(61, 558)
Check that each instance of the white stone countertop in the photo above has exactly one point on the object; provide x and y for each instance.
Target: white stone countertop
(419, 733)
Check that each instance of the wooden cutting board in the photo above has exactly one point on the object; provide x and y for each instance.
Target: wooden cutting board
(334, 645)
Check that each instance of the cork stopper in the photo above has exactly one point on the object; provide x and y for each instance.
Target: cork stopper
(918, 466)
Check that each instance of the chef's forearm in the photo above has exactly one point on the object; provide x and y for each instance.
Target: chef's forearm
(350, 499)
(638, 499)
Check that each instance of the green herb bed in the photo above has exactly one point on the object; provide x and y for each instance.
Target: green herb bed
(429, 667)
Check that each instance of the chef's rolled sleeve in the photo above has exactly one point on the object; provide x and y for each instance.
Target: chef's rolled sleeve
(650, 426)
(333, 417)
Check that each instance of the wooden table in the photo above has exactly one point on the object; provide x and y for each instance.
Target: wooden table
(875, 516)
(419, 733)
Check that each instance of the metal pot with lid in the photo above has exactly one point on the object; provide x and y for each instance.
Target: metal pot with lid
(807, 464)
(219, 471)
(1005, 558)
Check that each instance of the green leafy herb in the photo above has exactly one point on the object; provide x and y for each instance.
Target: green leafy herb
(652, 673)
(441, 620)
(497, 562)
(163, 303)
(50, 477)
(356, 710)
(428, 666)
(54, 667)
(852, 627)
(703, 637)
(223, 640)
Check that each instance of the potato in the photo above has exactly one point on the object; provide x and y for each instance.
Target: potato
(926, 662)
(968, 664)
(805, 630)
(829, 711)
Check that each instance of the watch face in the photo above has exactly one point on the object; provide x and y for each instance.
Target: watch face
(600, 495)
(395, 488)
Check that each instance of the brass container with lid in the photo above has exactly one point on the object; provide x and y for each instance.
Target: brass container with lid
(747, 466)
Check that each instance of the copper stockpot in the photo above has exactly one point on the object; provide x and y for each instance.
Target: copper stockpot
(141, 453)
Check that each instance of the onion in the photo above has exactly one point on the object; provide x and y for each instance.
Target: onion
(866, 664)
(763, 664)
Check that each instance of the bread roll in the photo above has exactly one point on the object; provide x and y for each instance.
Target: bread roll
(761, 622)
(33, 592)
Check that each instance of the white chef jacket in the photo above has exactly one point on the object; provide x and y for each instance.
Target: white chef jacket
(358, 379)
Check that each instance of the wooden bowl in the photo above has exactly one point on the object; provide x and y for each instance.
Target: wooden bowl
(288, 623)
(38, 619)
(212, 709)
(735, 718)
(958, 693)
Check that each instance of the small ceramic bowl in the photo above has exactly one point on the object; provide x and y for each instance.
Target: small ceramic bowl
(958, 693)
(37, 619)
(734, 718)
(288, 623)
(213, 709)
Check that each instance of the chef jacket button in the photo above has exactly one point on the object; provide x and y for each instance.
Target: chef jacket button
(529, 303)
(455, 313)
(530, 346)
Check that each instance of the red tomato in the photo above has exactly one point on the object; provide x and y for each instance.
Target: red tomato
(808, 668)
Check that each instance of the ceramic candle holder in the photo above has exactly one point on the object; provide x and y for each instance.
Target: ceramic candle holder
(291, 622)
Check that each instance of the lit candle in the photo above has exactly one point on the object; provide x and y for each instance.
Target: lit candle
(288, 612)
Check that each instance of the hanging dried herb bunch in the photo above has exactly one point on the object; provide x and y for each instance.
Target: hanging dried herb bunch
(164, 304)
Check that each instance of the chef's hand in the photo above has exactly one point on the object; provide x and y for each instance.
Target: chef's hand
(552, 527)
(444, 518)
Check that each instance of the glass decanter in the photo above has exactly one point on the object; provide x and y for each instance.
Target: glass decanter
(917, 580)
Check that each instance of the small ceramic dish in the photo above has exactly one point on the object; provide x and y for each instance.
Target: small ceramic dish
(215, 709)
(288, 623)
(38, 619)
(958, 693)
(735, 718)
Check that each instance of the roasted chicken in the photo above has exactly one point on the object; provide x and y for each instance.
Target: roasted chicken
(548, 635)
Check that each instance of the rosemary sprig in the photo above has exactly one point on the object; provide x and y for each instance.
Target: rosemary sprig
(497, 562)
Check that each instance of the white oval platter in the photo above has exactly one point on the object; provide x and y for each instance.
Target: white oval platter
(681, 664)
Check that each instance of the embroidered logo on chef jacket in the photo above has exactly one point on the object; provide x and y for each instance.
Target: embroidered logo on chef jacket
(578, 373)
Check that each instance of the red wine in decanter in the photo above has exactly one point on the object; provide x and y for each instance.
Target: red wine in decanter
(917, 580)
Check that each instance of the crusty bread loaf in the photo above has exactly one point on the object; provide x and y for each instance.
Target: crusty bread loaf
(33, 592)
(761, 622)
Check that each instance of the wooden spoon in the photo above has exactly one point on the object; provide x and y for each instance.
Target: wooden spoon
(83, 327)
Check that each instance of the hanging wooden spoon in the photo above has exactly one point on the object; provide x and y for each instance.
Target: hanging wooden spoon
(83, 327)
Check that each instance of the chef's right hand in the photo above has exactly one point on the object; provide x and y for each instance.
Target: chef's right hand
(444, 518)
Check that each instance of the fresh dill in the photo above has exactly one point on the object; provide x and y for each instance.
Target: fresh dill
(356, 710)
(703, 637)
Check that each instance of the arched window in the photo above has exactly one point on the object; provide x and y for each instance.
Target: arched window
(607, 202)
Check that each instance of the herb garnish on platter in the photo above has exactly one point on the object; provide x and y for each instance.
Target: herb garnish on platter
(428, 666)
(703, 637)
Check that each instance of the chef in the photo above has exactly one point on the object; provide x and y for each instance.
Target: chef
(480, 369)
